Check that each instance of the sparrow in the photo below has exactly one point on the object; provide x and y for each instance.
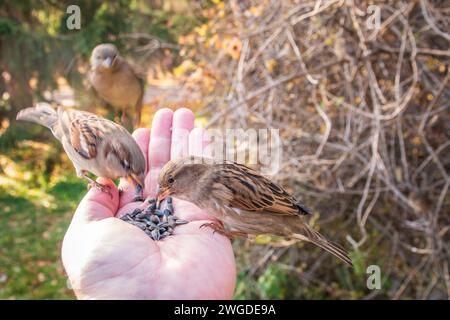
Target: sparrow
(116, 82)
(93, 144)
(241, 198)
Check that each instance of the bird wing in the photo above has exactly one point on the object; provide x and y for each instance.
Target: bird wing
(86, 131)
(94, 96)
(251, 191)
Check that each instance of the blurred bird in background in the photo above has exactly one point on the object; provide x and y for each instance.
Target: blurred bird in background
(117, 83)
(93, 144)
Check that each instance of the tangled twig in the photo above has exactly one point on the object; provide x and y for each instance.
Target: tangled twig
(362, 115)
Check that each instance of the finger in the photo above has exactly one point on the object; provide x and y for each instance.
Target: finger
(200, 143)
(97, 205)
(142, 137)
(182, 124)
(159, 148)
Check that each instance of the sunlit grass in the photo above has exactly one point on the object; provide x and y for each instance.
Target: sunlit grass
(35, 211)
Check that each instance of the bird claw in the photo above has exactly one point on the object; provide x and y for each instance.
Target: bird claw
(138, 198)
(221, 230)
(103, 188)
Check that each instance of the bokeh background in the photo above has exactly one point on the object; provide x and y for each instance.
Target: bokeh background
(363, 114)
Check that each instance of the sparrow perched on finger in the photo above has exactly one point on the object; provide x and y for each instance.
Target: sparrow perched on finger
(116, 82)
(93, 144)
(244, 200)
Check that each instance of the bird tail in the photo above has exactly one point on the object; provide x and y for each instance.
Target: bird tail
(310, 235)
(42, 114)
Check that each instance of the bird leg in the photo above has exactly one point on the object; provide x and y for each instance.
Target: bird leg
(220, 229)
(138, 193)
(126, 121)
(95, 184)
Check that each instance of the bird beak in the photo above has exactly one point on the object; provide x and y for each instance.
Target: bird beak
(162, 194)
(137, 182)
(107, 63)
(137, 179)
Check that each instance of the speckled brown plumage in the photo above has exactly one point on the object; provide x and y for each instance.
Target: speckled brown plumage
(246, 201)
(117, 82)
(92, 143)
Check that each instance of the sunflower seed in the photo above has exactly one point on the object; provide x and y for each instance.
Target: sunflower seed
(151, 224)
(155, 234)
(138, 224)
(126, 217)
(159, 213)
(179, 222)
(152, 207)
(141, 215)
(135, 212)
(155, 222)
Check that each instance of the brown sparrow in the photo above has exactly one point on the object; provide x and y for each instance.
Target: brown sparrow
(116, 82)
(243, 199)
(93, 144)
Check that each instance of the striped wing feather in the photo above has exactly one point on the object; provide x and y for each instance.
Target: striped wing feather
(253, 192)
(85, 134)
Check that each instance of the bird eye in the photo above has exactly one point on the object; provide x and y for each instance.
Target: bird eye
(170, 180)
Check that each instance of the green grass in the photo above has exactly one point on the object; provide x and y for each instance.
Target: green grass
(35, 211)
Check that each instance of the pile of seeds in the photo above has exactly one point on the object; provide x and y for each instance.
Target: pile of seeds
(156, 223)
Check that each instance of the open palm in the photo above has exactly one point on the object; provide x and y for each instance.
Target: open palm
(107, 258)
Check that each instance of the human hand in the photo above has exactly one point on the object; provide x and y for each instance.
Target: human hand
(107, 258)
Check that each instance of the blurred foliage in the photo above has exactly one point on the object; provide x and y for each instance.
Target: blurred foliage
(38, 194)
(318, 71)
(37, 48)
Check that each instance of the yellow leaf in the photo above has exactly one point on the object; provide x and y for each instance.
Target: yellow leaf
(33, 83)
(256, 11)
(323, 128)
(201, 31)
(416, 141)
(262, 239)
(339, 100)
(185, 66)
(429, 97)
(234, 48)
(270, 64)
